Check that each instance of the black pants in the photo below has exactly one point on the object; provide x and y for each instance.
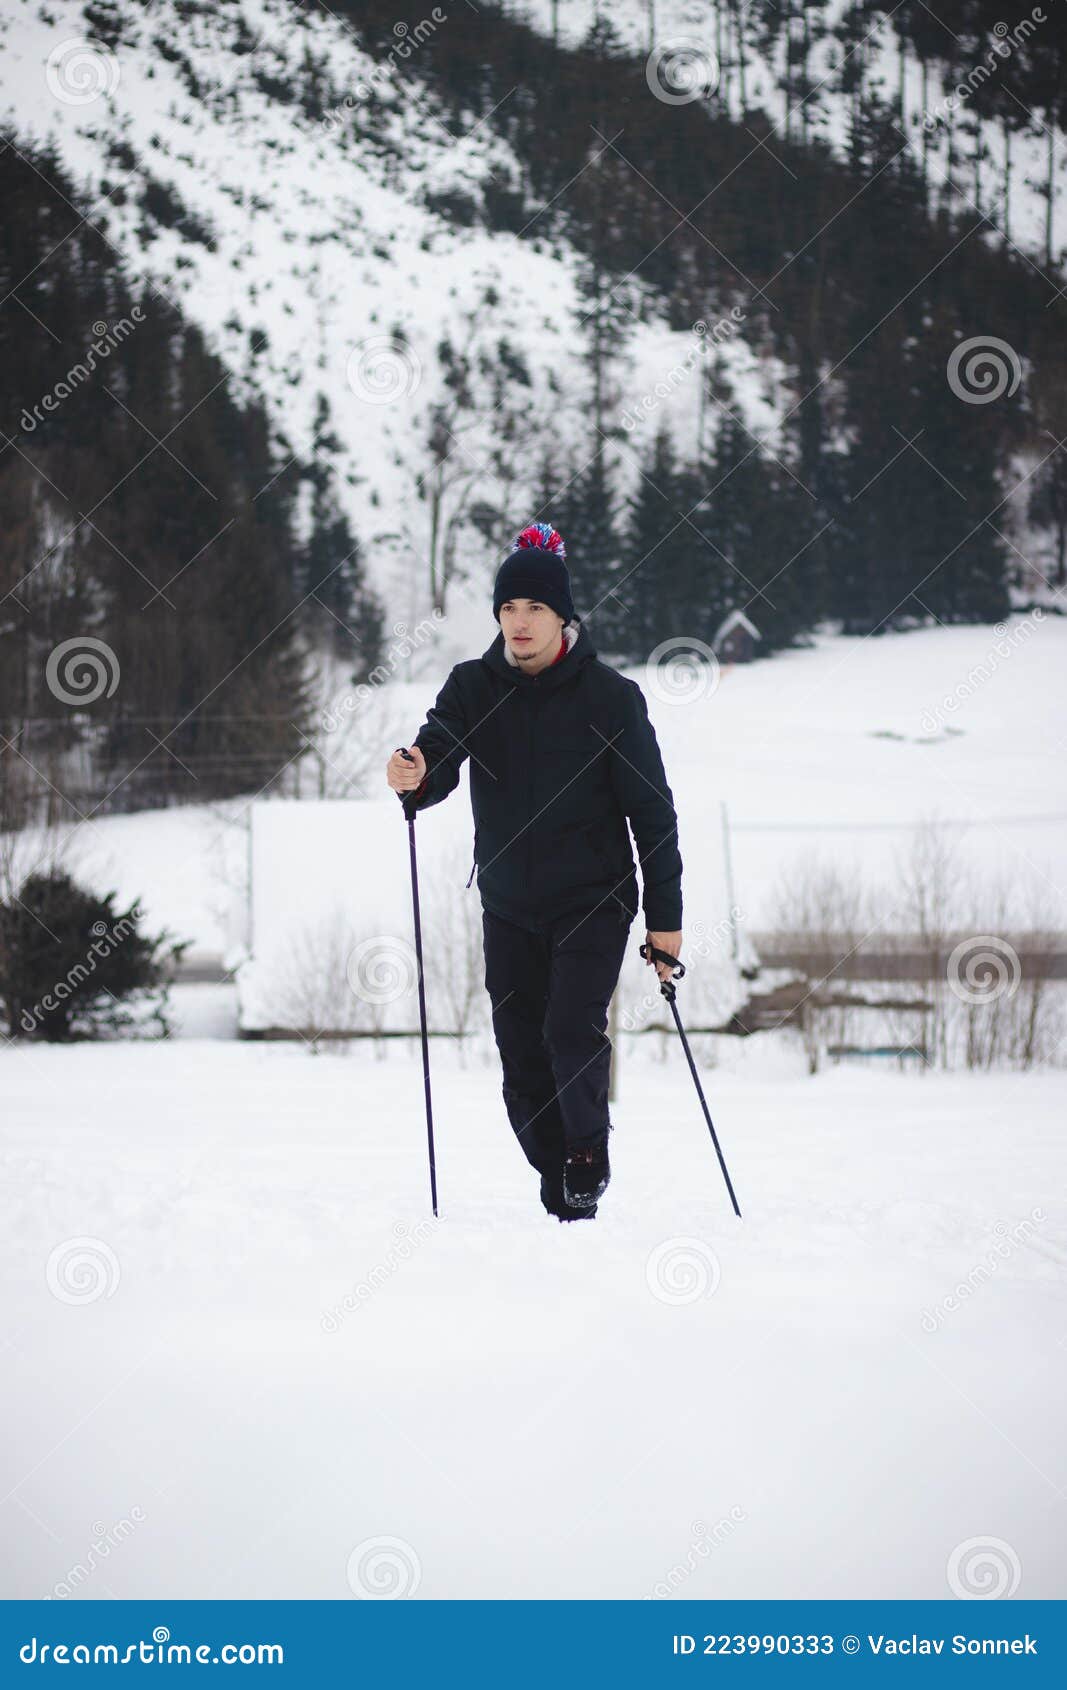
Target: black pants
(550, 993)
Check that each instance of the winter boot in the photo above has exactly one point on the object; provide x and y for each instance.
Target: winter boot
(556, 1204)
(586, 1172)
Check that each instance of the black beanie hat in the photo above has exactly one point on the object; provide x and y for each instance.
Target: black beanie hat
(536, 569)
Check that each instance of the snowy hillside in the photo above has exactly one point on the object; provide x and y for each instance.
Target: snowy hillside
(320, 232)
(692, 46)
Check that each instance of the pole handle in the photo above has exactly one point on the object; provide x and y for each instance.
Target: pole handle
(404, 796)
(663, 956)
(665, 986)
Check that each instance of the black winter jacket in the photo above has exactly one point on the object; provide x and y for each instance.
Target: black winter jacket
(559, 761)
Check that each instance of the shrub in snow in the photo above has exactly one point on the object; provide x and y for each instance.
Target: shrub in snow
(74, 967)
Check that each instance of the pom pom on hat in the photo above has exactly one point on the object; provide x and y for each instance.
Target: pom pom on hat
(543, 537)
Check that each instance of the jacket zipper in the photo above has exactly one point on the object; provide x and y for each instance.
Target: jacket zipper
(529, 790)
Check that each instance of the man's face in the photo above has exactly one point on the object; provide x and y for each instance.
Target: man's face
(531, 630)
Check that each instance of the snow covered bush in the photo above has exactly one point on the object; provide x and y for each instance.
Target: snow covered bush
(74, 967)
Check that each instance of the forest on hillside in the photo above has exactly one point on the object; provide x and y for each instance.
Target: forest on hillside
(155, 515)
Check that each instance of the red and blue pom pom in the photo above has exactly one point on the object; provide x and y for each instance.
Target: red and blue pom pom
(541, 536)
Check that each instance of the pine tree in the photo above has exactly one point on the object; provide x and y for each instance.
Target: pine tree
(1048, 508)
(677, 576)
(650, 589)
(587, 513)
(755, 520)
(329, 577)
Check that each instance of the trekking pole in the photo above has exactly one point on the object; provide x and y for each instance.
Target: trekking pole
(667, 988)
(422, 992)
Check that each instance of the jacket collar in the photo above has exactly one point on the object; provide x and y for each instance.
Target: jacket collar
(580, 649)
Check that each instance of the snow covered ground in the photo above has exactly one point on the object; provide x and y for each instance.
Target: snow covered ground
(244, 1362)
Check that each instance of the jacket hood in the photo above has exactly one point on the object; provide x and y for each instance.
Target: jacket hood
(580, 649)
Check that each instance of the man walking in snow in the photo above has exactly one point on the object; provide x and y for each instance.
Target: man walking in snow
(562, 755)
